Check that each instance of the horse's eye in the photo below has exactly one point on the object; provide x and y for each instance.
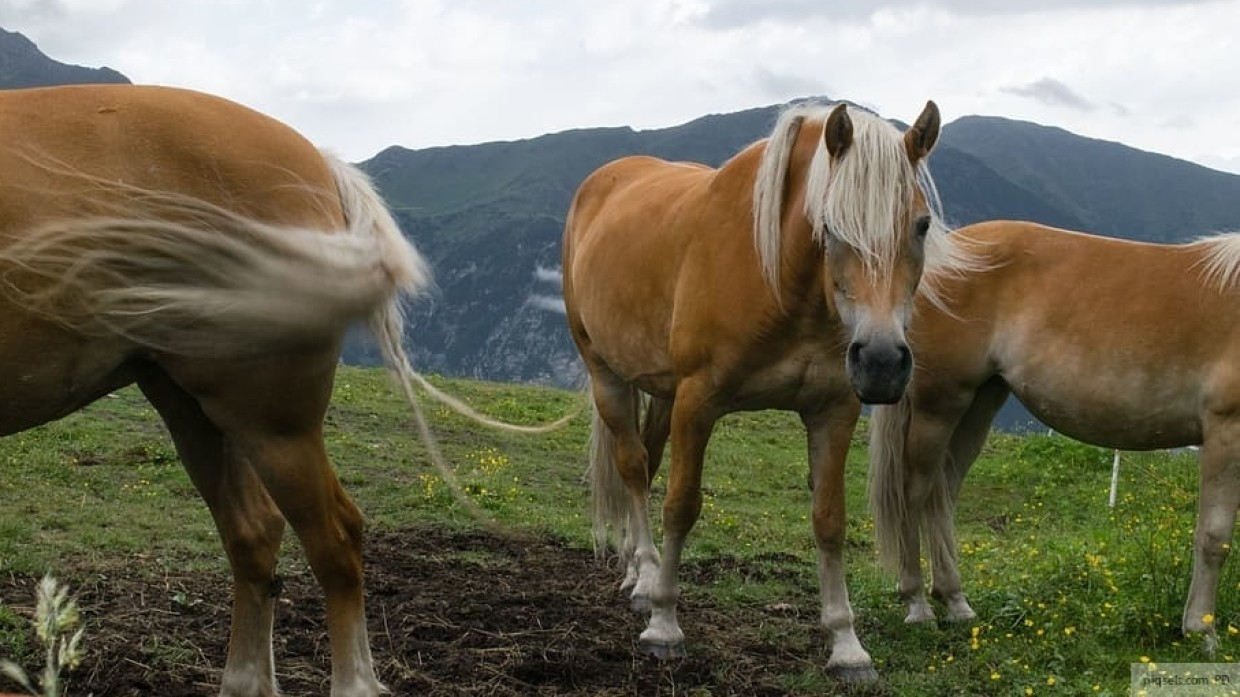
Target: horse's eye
(921, 226)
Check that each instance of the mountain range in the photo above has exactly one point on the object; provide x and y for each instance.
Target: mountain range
(489, 217)
(22, 64)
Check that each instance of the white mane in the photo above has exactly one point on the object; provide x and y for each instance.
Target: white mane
(1220, 259)
(859, 200)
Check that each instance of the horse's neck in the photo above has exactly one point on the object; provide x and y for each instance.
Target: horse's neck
(803, 272)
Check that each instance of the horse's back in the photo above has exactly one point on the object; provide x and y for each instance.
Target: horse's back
(633, 215)
(63, 147)
(1082, 326)
(634, 188)
(1026, 260)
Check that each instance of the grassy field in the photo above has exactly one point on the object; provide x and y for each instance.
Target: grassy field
(1069, 592)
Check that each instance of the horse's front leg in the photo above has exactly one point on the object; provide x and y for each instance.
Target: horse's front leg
(1218, 498)
(829, 435)
(925, 502)
(966, 442)
(692, 421)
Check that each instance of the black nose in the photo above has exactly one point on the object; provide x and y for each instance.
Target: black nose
(879, 370)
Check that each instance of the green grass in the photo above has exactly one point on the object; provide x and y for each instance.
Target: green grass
(1068, 591)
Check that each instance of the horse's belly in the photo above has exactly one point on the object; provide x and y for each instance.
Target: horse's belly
(1135, 411)
(638, 356)
(45, 376)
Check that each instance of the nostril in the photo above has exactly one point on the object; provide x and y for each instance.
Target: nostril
(906, 358)
(854, 352)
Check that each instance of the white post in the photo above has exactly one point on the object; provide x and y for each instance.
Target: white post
(1114, 479)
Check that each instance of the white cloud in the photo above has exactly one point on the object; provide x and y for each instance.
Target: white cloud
(1051, 92)
(550, 303)
(546, 275)
(360, 76)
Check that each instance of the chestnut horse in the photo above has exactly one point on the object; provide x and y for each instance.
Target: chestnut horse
(215, 258)
(1119, 344)
(781, 280)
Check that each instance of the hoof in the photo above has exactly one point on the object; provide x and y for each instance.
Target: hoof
(640, 604)
(961, 616)
(925, 616)
(854, 675)
(662, 650)
(1209, 644)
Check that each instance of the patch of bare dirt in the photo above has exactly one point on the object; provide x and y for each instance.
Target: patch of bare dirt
(450, 614)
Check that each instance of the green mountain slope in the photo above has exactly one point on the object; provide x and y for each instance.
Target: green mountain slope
(490, 216)
(1113, 189)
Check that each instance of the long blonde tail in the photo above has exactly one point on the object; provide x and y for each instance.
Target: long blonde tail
(364, 208)
(178, 274)
(608, 494)
(888, 484)
(888, 431)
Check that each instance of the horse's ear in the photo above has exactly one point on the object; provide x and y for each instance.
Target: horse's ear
(920, 139)
(837, 133)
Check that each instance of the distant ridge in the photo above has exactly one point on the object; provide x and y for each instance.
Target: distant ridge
(1111, 188)
(490, 217)
(22, 65)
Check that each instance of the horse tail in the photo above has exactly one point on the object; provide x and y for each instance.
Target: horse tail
(364, 209)
(367, 216)
(177, 274)
(888, 431)
(888, 481)
(608, 494)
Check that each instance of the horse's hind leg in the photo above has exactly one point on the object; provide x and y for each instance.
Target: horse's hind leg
(250, 528)
(271, 410)
(1218, 498)
(617, 405)
(656, 427)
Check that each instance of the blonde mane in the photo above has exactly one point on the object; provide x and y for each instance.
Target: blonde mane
(1220, 259)
(853, 199)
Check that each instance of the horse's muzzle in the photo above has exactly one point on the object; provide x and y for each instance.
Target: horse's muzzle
(879, 371)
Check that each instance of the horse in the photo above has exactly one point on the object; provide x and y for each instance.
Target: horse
(780, 280)
(1115, 343)
(214, 257)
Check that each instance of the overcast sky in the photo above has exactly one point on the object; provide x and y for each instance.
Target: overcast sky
(357, 76)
